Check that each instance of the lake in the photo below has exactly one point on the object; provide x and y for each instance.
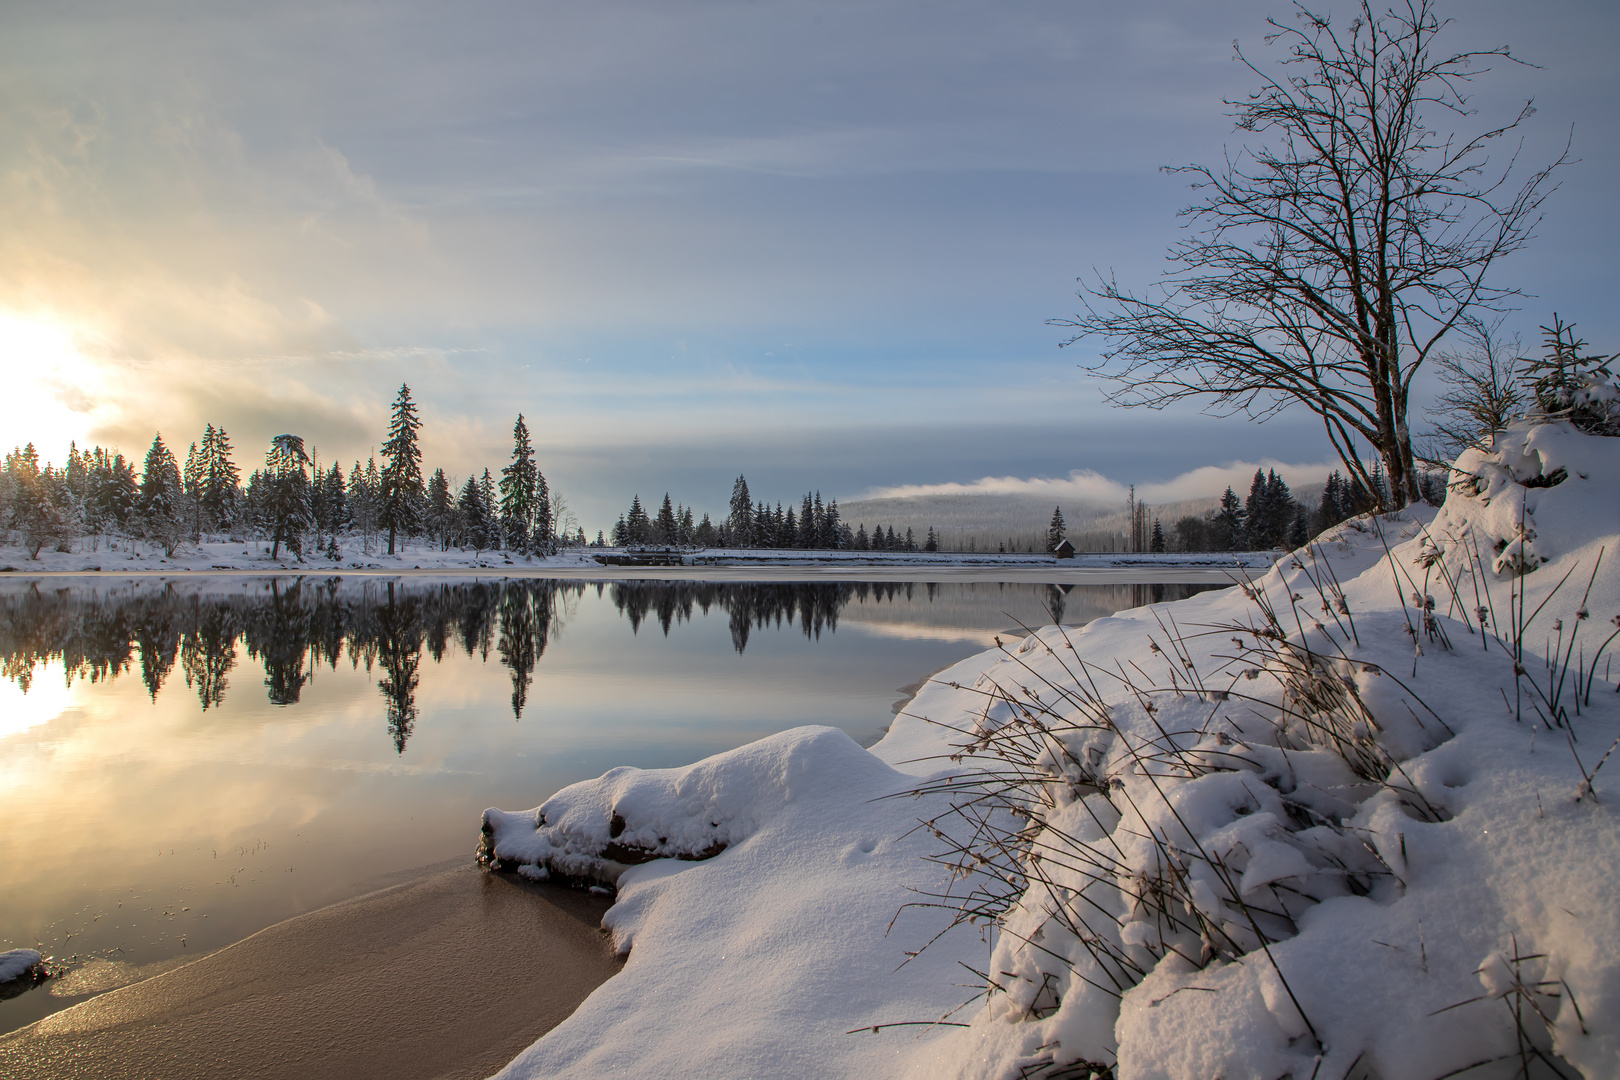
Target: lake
(186, 761)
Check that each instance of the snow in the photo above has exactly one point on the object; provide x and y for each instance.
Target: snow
(756, 962)
(1343, 841)
(16, 963)
(121, 555)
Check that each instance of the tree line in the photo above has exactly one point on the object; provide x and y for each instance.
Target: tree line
(291, 502)
(814, 525)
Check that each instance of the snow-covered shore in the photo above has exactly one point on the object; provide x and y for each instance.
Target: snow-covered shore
(113, 556)
(1312, 827)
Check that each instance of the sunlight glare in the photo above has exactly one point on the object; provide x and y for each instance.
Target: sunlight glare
(48, 697)
(43, 368)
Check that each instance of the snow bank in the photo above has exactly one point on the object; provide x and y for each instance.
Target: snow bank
(16, 963)
(758, 961)
(1317, 826)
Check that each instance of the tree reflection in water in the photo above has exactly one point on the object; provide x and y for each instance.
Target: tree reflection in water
(292, 626)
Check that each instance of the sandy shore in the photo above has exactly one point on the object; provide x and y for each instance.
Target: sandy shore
(449, 976)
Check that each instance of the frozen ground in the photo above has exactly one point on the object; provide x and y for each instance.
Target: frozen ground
(1315, 827)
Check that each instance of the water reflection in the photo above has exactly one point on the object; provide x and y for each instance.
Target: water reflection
(293, 627)
(196, 759)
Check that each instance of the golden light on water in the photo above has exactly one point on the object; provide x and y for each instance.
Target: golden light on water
(50, 383)
(46, 699)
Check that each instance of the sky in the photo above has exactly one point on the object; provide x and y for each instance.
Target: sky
(816, 243)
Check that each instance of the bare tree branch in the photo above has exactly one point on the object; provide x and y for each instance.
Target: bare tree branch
(1332, 256)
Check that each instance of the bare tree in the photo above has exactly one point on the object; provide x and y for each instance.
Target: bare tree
(1332, 256)
(1483, 392)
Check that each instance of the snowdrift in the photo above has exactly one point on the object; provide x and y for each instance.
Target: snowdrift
(1349, 819)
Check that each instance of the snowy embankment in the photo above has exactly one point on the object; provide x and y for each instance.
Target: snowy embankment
(1319, 826)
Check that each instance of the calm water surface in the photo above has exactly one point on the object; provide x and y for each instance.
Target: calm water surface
(185, 763)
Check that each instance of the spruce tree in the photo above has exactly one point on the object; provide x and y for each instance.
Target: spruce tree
(1156, 542)
(666, 530)
(191, 485)
(1055, 531)
(473, 512)
(287, 498)
(837, 532)
(518, 491)
(1226, 531)
(1256, 515)
(932, 543)
(441, 507)
(221, 480)
(742, 514)
(400, 493)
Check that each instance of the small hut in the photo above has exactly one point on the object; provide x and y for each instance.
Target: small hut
(1064, 550)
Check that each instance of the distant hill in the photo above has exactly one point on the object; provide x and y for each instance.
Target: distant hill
(984, 521)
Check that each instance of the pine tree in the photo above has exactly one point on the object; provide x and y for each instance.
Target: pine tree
(861, 542)
(666, 529)
(932, 543)
(637, 525)
(742, 514)
(705, 533)
(1256, 515)
(544, 521)
(518, 491)
(441, 509)
(806, 532)
(221, 480)
(1156, 542)
(837, 533)
(1226, 529)
(288, 502)
(337, 504)
(1055, 531)
(473, 512)
(400, 494)
(911, 541)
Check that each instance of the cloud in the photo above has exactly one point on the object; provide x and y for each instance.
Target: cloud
(1088, 486)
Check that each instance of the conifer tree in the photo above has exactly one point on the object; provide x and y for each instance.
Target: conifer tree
(1226, 530)
(1256, 514)
(473, 512)
(518, 491)
(544, 522)
(221, 480)
(666, 529)
(637, 525)
(441, 509)
(161, 496)
(932, 543)
(705, 533)
(400, 493)
(741, 520)
(1156, 541)
(288, 503)
(835, 532)
(1055, 531)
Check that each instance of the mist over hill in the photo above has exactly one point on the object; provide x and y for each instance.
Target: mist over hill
(984, 521)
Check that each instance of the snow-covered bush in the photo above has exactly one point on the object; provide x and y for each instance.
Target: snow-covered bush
(1308, 829)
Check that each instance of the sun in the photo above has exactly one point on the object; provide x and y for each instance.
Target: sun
(51, 385)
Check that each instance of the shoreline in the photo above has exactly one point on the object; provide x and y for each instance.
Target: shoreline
(1133, 574)
(449, 975)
